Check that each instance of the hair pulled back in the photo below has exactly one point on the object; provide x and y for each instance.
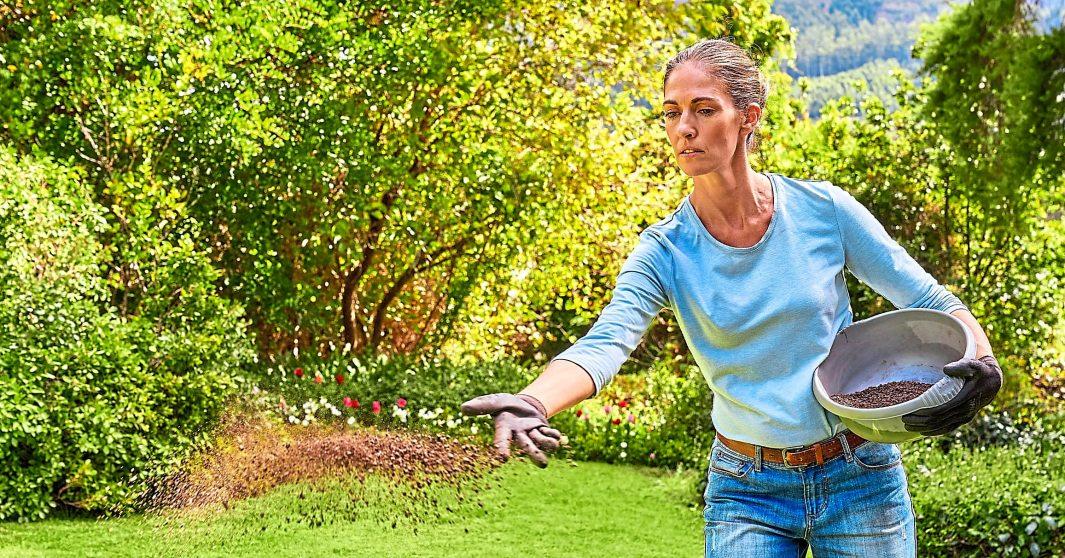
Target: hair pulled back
(731, 64)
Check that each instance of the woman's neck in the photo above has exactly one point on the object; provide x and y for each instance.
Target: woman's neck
(737, 201)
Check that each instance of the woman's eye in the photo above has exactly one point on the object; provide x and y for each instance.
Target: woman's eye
(707, 112)
(670, 115)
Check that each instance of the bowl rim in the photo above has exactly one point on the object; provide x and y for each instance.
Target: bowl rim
(891, 411)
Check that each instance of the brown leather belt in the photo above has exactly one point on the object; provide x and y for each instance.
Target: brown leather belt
(797, 456)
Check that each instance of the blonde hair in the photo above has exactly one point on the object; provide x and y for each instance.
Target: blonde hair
(734, 66)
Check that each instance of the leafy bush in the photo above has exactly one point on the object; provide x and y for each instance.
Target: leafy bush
(996, 500)
(91, 397)
(652, 418)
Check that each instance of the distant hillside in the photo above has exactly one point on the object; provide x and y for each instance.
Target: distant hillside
(838, 41)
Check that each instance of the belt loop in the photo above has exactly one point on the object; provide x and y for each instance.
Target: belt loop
(758, 458)
(846, 446)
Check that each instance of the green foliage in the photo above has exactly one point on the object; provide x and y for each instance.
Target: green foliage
(358, 169)
(91, 395)
(657, 417)
(874, 78)
(1003, 501)
(996, 102)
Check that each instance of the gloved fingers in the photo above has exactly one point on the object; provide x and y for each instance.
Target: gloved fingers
(550, 432)
(939, 411)
(962, 414)
(543, 442)
(945, 429)
(503, 436)
(530, 448)
(484, 404)
(527, 423)
(965, 368)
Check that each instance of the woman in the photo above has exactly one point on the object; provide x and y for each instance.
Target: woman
(752, 266)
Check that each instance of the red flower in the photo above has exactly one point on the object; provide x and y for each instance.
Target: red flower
(340, 378)
(298, 372)
(349, 402)
(376, 407)
(401, 403)
(580, 412)
(616, 421)
(318, 378)
(623, 403)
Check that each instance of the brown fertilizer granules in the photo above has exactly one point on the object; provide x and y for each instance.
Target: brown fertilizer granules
(254, 457)
(883, 395)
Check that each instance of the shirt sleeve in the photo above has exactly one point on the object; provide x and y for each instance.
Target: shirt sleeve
(880, 262)
(640, 294)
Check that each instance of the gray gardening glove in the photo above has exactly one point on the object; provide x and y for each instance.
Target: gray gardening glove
(983, 379)
(519, 417)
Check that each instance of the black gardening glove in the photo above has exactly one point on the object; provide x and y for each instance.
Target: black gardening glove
(519, 417)
(983, 378)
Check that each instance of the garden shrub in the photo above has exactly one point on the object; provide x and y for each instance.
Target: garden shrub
(90, 398)
(996, 500)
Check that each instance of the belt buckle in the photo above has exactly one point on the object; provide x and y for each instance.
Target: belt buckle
(784, 455)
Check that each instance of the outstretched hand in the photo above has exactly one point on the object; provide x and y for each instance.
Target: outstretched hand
(983, 379)
(520, 418)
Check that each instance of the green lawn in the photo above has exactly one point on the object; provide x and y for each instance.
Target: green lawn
(567, 509)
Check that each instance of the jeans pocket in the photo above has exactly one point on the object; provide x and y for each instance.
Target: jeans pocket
(874, 456)
(728, 462)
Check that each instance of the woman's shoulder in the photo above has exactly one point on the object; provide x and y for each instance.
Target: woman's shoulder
(814, 188)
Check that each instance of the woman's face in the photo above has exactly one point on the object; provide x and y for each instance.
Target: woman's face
(698, 114)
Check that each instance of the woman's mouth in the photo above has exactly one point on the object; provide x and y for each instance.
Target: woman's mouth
(688, 153)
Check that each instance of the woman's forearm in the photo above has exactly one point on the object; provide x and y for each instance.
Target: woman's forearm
(983, 345)
(562, 385)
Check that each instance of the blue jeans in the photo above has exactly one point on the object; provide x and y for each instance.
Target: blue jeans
(854, 505)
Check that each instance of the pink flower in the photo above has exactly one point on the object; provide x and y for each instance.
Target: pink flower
(401, 403)
(376, 407)
(282, 404)
(340, 378)
(652, 455)
(298, 372)
(349, 402)
(632, 418)
(606, 409)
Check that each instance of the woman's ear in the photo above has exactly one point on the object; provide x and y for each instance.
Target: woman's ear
(751, 116)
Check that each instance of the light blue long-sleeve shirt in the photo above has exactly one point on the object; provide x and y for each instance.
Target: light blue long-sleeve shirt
(758, 320)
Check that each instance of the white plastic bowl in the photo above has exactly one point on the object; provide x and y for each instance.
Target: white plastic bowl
(909, 344)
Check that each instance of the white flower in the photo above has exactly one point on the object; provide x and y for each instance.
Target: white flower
(293, 419)
(624, 444)
(623, 454)
(351, 421)
(565, 439)
(473, 429)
